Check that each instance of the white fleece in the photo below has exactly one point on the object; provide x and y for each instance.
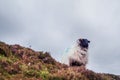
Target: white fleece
(75, 53)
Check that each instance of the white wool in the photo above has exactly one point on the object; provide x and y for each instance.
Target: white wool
(75, 53)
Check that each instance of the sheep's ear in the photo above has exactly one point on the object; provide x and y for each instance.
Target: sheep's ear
(88, 41)
(80, 39)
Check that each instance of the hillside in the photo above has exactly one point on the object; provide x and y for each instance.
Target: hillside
(20, 63)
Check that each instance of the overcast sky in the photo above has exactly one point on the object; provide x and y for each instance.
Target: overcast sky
(53, 25)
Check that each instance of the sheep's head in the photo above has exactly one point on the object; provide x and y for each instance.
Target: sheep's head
(84, 43)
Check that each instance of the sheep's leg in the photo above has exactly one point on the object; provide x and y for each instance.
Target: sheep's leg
(74, 63)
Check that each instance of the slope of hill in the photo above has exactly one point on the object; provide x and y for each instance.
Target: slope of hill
(20, 63)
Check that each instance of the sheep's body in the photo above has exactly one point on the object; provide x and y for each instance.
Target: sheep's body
(76, 56)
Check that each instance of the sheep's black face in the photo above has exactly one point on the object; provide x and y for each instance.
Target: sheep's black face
(84, 43)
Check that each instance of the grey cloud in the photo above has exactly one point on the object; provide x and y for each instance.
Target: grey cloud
(8, 27)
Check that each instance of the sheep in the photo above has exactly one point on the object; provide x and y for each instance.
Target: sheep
(77, 55)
